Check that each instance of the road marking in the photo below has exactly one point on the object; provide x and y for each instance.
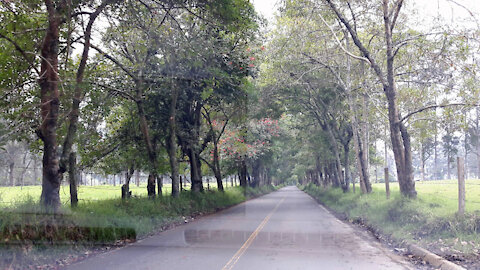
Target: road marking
(231, 263)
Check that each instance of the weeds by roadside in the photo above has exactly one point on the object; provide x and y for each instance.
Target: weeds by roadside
(402, 219)
(28, 236)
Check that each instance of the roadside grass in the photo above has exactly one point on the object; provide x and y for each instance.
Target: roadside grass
(12, 196)
(29, 236)
(430, 220)
(139, 214)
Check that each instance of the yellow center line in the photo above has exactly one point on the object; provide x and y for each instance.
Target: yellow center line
(231, 263)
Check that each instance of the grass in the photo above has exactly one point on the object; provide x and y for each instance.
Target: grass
(102, 222)
(442, 194)
(141, 214)
(12, 196)
(430, 220)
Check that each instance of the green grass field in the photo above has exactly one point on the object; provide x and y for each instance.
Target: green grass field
(430, 220)
(11, 196)
(441, 195)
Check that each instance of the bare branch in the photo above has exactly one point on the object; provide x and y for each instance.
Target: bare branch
(358, 43)
(396, 10)
(436, 106)
(340, 43)
(116, 92)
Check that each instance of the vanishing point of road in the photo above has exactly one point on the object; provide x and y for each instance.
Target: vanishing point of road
(285, 229)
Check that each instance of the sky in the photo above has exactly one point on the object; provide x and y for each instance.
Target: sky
(453, 10)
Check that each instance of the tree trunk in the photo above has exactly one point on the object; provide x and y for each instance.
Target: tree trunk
(216, 165)
(422, 161)
(339, 181)
(73, 179)
(172, 144)
(347, 167)
(465, 144)
(151, 185)
(435, 161)
(477, 123)
(160, 185)
(256, 167)
(11, 178)
(126, 187)
(78, 91)
(366, 133)
(398, 133)
(49, 108)
(195, 171)
(448, 167)
(151, 151)
(25, 166)
(181, 183)
(137, 178)
(242, 173)
(362, 163)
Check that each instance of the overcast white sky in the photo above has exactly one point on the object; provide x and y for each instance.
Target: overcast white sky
(452, 10)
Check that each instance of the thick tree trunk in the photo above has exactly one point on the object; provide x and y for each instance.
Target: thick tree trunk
(242, 173)
(151, 185)
(401, 149)
(256, 168)
(49, 109)
(398, 132)
(195, 171)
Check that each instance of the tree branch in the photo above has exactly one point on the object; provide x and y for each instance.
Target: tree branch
(434, 107)
(358, 43)
(22, 52)
(115, 61)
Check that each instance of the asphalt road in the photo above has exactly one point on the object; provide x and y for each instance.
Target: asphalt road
(283, 230)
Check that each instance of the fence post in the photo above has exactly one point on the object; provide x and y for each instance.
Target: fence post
(387, 183)
(461, 185)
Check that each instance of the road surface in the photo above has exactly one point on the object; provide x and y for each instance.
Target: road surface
(286, 229)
